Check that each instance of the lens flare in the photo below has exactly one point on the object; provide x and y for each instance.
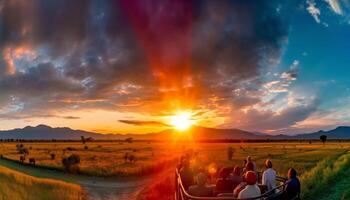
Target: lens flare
(182, 121)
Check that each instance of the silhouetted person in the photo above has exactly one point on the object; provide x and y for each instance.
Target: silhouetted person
(249, 159)
(269, 176)
(292, 188)
(186, 174)
(200, 189)
(224, 183)
(236, 176)
(251, 190)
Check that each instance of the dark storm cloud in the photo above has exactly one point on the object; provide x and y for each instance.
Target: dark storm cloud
(143, 123)
(106, 54)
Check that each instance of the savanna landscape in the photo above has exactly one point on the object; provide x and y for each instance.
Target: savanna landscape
(174, 100)
(316, 162)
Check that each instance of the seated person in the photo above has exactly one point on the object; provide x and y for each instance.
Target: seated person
(224, 183)
(249, 167)
(200, 189)
(249, 159)
(251, 190)
(292, 188)
(186, 174)
(269, 176)
(236, 176)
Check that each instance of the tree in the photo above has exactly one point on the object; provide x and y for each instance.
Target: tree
(323, 138)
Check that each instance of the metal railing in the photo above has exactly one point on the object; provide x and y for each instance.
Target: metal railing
(181, 193)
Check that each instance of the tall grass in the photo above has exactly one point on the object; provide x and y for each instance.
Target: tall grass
(324, 175)
(18, 186)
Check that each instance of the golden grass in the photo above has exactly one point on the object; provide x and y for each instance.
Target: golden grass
(309, 160)
(101, 158)
(18, 186)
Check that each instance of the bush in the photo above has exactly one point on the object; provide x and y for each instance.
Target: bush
(71, 163)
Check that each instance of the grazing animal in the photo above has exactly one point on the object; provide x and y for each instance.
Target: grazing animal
(22, 159)
(32, 161)
(132, 158)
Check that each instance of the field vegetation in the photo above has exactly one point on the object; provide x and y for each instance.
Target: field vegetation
(18, 186)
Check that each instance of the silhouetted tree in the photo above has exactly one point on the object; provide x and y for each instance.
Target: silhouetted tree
(323, 138)
(129, 140)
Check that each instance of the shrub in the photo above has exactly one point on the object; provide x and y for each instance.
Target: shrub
(71, 163)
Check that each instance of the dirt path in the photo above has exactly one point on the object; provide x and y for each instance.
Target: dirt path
(97, 188)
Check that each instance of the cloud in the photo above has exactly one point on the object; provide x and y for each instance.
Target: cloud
(143, 123)
(334, 4)
(313, 10)
(150, 58)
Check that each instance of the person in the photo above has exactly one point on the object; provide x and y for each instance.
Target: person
(236, 176)
(269, 176)
(224, 183)
(249, 167)
(249, 159)
(186, 174)
(251, 190)
(200, 189)
(292, 188)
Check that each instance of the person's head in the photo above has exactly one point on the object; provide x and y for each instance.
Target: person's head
(268, 164)
(224, 172)
(201, 179)
(249, 166)
(237, 171)
(186, 162)
(292, 173)
(249, 159)
(250, 177)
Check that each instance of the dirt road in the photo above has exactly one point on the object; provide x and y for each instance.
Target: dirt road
(97, 188)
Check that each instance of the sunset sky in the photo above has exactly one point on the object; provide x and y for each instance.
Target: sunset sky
(130, 66)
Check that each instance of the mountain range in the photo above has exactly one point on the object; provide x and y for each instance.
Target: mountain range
(44, 132)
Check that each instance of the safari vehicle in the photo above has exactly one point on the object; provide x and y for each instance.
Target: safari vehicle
(274, 194)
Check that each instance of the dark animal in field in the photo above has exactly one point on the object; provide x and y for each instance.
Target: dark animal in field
(70, 149)
(71, 163)
(129, 158)
(32, 161)
(22, 159)
(132, 158)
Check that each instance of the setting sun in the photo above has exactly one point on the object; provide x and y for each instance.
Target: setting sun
(182, 121)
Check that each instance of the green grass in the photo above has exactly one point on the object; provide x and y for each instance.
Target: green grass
(18, 186)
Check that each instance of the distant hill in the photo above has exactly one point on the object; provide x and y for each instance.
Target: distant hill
(47, 133)
(44, 132)
(341, 132)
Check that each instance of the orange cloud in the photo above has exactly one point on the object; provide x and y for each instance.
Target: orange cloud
(13, 53)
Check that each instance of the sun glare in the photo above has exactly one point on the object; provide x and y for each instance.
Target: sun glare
(182, 121)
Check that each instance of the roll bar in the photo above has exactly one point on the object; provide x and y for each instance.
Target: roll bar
(181, 193)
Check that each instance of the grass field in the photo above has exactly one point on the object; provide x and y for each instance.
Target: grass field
(18, 186)
(99, 158)
(321, 168)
